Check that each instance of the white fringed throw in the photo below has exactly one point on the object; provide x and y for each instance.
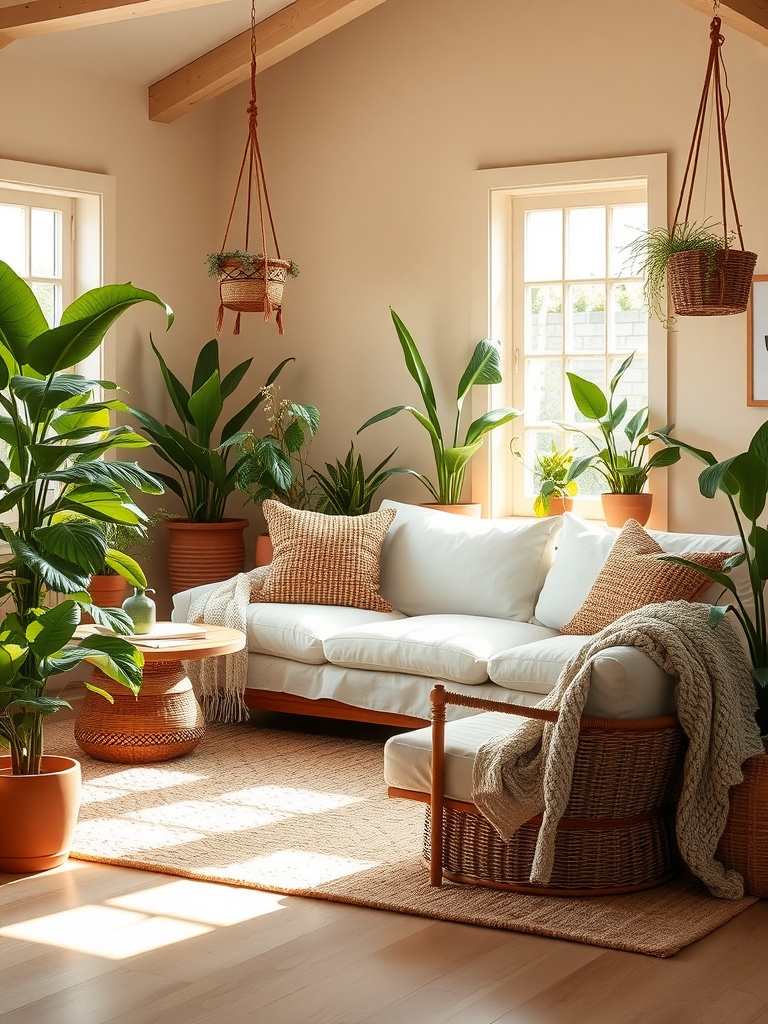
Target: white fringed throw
(529, 771)
(220, 682)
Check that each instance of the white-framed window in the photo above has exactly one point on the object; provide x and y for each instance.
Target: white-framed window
(57, 231)
(553, 286)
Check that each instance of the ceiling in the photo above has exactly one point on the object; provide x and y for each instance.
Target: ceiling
(186, 52)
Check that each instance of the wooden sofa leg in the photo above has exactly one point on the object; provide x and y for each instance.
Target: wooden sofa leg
(437, 697)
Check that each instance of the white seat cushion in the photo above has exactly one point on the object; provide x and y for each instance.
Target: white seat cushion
(625, 683)
(451, 647)
(407, 756)
(297, 631)
(582, 548)
(434, 562)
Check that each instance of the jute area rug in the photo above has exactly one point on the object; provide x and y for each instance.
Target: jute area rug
(308, 815)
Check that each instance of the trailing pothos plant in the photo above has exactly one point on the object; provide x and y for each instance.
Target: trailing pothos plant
(743, 479)
(55, 428)
(451, 460)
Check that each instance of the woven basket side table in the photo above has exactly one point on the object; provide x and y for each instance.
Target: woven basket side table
(165, 720)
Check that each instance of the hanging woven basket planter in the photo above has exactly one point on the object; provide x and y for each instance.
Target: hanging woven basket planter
(704, 285)
(702, 282)
(251, 283)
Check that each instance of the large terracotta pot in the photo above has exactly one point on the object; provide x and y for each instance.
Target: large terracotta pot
(457, 510)
(744, 843)
(38, 814)
(201, 553)
(618, 508)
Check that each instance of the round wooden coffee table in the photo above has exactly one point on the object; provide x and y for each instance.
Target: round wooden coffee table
(165, 720)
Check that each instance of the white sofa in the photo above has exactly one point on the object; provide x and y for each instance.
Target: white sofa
(478, 606)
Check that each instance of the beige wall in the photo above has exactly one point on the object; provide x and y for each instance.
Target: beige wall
(370, 140)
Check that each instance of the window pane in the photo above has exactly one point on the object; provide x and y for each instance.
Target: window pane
(591, 482)
(543, 319)
(45, 243)
(633, 385)
(626, 223)
(49, 297)
(543, 245)
(12, 242)
(543, 390)
(586, 318)
(629, 318)
(585, 243)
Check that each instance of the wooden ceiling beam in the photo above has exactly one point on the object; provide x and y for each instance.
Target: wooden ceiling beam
(747, 16)
(284, 33)
(41, 17)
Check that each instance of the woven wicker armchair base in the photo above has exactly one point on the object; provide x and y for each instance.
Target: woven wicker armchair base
(617, 834)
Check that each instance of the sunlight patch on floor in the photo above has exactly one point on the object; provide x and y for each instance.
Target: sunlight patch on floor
(297, 869)
(119, 837)
(108, 932)
(213, 903)
(291, 800)
(206, 817)
(138, 779)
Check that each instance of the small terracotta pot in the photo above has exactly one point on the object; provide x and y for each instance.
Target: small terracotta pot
(38, 814)
(263, 554)
(618, 508)
(201, 553)
(475, 510)
(106, 592)
(559, 505)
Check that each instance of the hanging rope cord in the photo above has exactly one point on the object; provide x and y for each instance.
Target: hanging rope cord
(252, 156)
(715, 79)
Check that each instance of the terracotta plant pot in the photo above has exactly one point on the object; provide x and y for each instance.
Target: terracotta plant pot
(618, 508)
(38, 814)
(106, 592)
(263, 554)
(744, 843)
(559, 505)
(200, 553)
(475, 510)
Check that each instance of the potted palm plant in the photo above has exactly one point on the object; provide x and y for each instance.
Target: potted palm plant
(623, 462)
(205, 546)
(743, 479)
(56, 428)
(451, 461)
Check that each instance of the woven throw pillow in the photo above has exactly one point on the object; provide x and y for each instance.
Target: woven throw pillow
(319, 559)
(635, 575)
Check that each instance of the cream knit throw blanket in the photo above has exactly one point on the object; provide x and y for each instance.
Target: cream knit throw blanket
(220, 682)
(529, 771)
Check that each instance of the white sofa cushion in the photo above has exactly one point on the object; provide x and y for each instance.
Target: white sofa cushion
(434, 563)
(451, 647)
(297, 631)
(624, 682)
(581, 550)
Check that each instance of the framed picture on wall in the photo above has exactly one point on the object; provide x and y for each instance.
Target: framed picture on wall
(757, 342)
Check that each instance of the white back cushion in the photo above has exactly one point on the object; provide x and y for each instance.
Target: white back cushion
(583, 546)
(438, 563)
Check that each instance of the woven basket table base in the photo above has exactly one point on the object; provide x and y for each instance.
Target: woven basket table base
(163, 722)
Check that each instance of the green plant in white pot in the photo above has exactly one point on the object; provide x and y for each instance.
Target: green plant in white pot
(451, 459)
(56, 427)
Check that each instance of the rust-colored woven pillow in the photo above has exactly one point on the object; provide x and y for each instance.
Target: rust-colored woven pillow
(634, 575)
(319, 559)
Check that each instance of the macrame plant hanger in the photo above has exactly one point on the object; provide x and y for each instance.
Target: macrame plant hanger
(702, 284)
(252, 285)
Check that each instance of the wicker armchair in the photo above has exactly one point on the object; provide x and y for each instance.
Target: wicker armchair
(617, 833)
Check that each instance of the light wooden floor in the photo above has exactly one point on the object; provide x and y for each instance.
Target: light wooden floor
(88, 944)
